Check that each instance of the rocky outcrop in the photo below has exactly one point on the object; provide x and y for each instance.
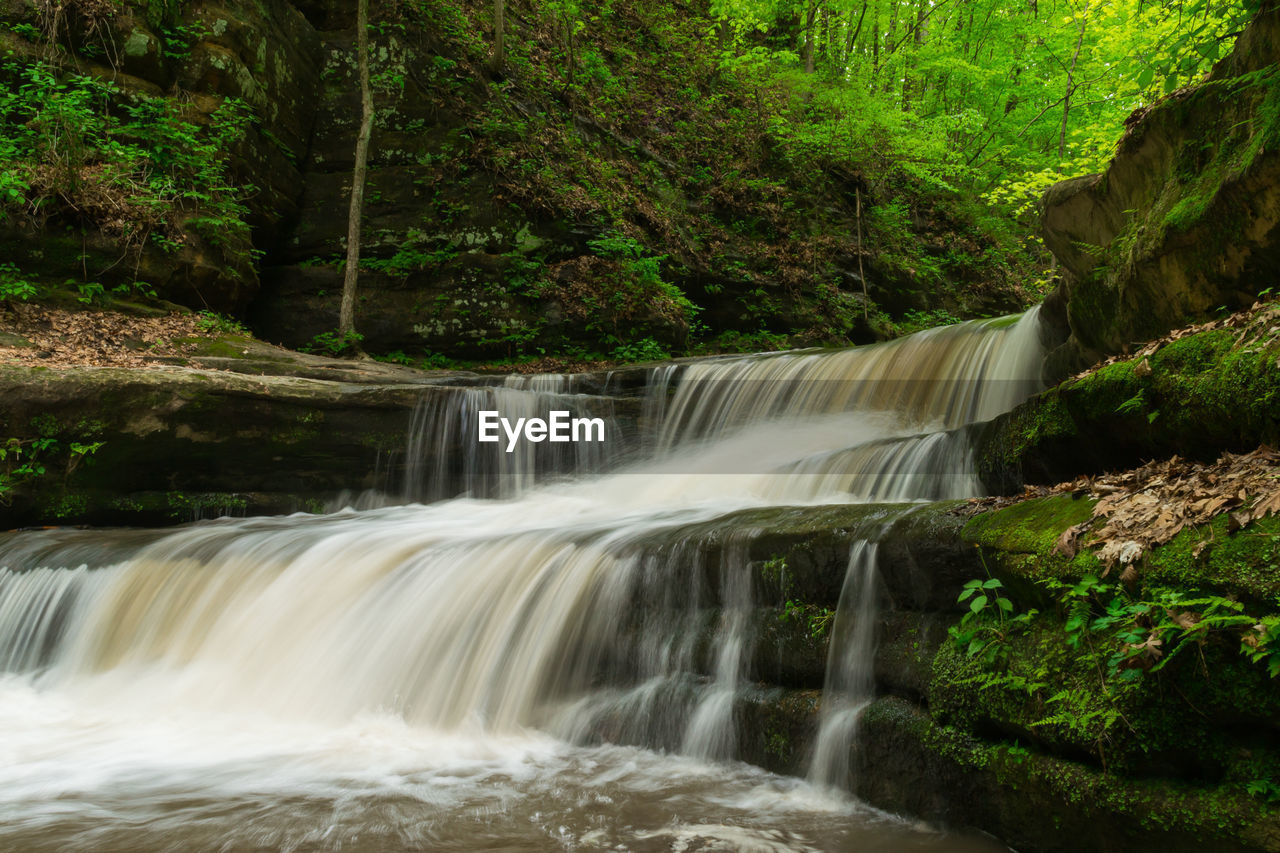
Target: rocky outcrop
(181, 442)
(957, 741)
(240, 428)
(1206, 392)
(1186, 218)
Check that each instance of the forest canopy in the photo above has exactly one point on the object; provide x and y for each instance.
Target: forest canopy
(1008, 96)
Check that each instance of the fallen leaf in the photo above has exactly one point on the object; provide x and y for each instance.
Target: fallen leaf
(1066, 544)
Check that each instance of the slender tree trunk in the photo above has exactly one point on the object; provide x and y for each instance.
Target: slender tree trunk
(347, 317)
(499, 35)
(890, 35)
(810, 21)
(1066, 100)
(866, 300)
(913, 91)
(875, 46)
(857, 32)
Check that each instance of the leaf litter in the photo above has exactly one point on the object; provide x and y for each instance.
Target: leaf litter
(1146, 507)
(57, 337)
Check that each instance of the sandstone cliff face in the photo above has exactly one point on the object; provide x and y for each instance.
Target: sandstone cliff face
(1187, 216)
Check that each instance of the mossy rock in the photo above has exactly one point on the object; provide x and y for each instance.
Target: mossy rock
(1185, 218)
(1019, 544)
(1195, 397)
(907, 762)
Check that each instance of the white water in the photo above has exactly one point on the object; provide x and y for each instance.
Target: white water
(419, 674)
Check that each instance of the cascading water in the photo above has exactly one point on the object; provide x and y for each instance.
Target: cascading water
(435, 675)
(445, 461)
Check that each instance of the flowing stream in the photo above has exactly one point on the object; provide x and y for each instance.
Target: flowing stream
(548, 656)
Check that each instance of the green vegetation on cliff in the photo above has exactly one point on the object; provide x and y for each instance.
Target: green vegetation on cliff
(624, 181)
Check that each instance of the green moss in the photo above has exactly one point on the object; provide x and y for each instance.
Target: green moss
(1079, 796)
(8, 339)
(187, 506)
(226, 346)
(1196, 396)
(1242, 563)
(1017, 543)
(1028, 527)
(67, 506)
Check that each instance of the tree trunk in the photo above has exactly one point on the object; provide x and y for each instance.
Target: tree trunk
(499, 34)
(1071, 73)
(811, 18)
(866, 300)
(347, 316)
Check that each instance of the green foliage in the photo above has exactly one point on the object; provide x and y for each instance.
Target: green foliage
(408, 258)
(984, 629)
(1006, 99)
(14, 285)
(137, 167)
(816, 620)
(334, 343)
(213, 323)
(917, 321)
(1144, 633)
(641, 281)
(733, 341)
(1265, 790)
(23, 461)
(644, 350)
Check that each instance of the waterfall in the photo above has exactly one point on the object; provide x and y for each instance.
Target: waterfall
(443, 460)
(563, 589)
(850, 681)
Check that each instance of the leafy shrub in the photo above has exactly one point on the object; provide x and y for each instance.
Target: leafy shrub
(211, 322)
(136, 167)
(334, 343)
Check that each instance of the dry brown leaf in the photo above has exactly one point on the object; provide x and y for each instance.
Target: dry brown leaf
(62, 338)
(1067, 542)
(1122, 551)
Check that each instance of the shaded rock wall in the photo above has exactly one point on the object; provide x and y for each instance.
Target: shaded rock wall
(264, 54)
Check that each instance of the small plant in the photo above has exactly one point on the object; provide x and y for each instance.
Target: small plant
(1265, 790)
(24, 460)
(917, 321)
(436, 361)
(211, 323)
(395, 357)
(816, 620)
(984, 628)
(89, 292)
(334, 343)
(644, 350)
(14, 285)
(641, 282)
